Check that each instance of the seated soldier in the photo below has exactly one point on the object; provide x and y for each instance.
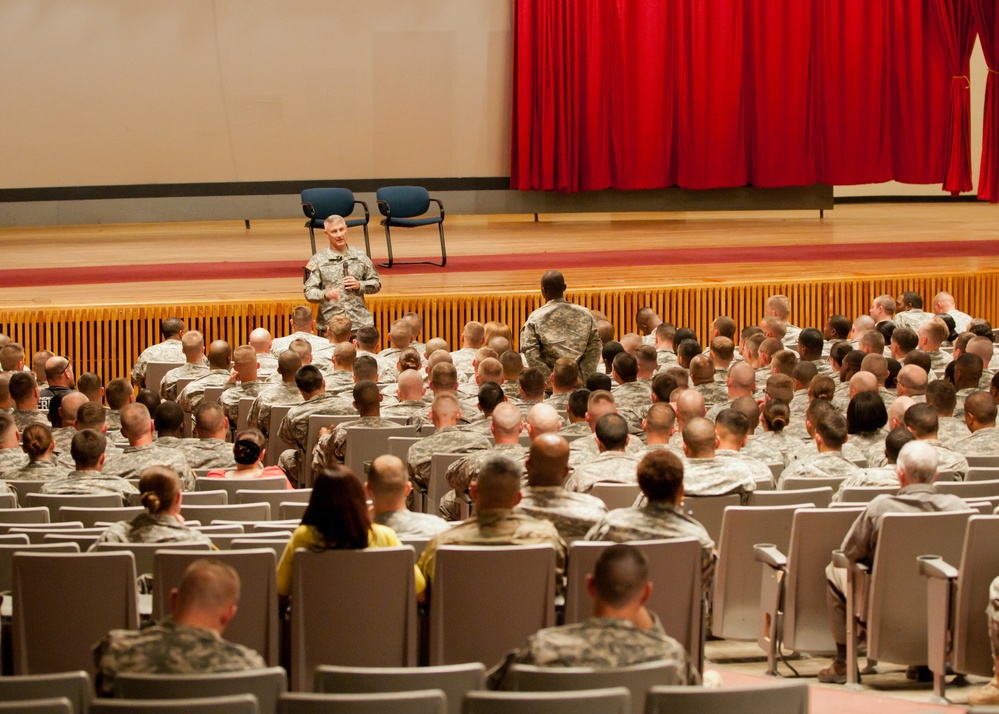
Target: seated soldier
(141, 452)
(12, 458)
(545, 496)
(242, 383)
(621, 632)
(495, 522)
(917, 469)
(980, 416)
(209, 450)
(828, 429)
(447, 438)
(161, 522)
(886, 475)
(285, 392)
(38, 444)
(613, 465)
(331, 449)
(388, 487)
(193, 344)
(660, 476)
(24, 391)
(87, 451)
(707, 474)
(169, 350)
(189, 641)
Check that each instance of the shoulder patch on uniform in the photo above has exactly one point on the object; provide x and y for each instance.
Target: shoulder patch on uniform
(310, 265)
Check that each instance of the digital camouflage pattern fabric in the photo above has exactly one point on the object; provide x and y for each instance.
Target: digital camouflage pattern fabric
(572, 514)
(169, 648)
(326, 270)
(561, 329)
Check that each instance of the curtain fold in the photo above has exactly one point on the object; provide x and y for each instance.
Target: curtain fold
(988, 175)
(956, 23)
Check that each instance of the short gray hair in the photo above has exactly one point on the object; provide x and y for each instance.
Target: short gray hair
(918, 460)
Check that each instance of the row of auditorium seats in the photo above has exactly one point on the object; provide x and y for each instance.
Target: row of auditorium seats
(457, 689)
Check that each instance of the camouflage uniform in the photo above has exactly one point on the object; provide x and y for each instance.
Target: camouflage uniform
(807, 447)
(871, 443)
(841, 397)
(666, 359)
(579, 428)
(414, 411)
(913, 319)
(319, 344)
(760, 471)
(790, 338)
(984, 442)
(339, 381)
(799, 405)
(331, 450)
(188, 370)
(572, 514)
(654, 521)
(208, 453)
(90, 482)
(713, 392)
(887, 397)
(110, 452)
(877, 476)
(408, 524)
(962, 394)
(717, 409)
(561, 329)
(829, 464)
(986, 379)
(166, 351)
(230, 398)
(295, 428)
(193, 394)
(23, 418)
(823, 366)
(496, 526)
(136, 459)
(463, 358)
(511, 389)
(151, 528)
(465, 471)
(588, 444)
(37, 471)
(448, 440)
(757, 447)
(327, 269)
(717, 476)
(600, 643)
(12, 460)
(939, 360)
(525, 405)
(282, 394)
(559, 400)
(112, 419)
(63, 438)
(266, 366)
(950, 460)
(608, 467)
(387, 371)
(169, 648)
(483, 426)
(632, 394)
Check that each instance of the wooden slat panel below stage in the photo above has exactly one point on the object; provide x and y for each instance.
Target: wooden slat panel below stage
(106, 339)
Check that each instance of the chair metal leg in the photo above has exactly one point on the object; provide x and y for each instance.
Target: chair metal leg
(388, 244)
(440, 227)
(312, 238)
(367, 244)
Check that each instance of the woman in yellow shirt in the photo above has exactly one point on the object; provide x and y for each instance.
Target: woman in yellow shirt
(337, 518)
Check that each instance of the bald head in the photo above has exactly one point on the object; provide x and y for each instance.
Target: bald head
(689, 405)
(699, 438)
(979, 411)
(552, 285)
(193, 345)
(507, 423)
(388, 480)
(741, 380)
(260, 340)
(981, 346)
(702, 370)
(70, 405)
(863, 382)
(911, 381)
(548, 461)
(410, 386)
(896, 415)
(542, 419)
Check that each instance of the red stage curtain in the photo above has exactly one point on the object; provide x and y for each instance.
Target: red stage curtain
(638, 94)
(778, 132)
(986, 17)
(956, 23)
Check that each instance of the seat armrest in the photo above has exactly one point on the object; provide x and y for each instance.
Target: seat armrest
(439, 204)
(769, 554)
(385, 208)
(367, 215)
(839, 560)
(933, 566)
(309, 209)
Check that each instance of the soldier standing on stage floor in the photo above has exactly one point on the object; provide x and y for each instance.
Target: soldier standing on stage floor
(560, 329)
(339, 277)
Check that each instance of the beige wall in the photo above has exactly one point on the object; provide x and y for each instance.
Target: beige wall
(97, 92)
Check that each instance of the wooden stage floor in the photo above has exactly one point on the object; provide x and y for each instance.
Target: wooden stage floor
(210, 261)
